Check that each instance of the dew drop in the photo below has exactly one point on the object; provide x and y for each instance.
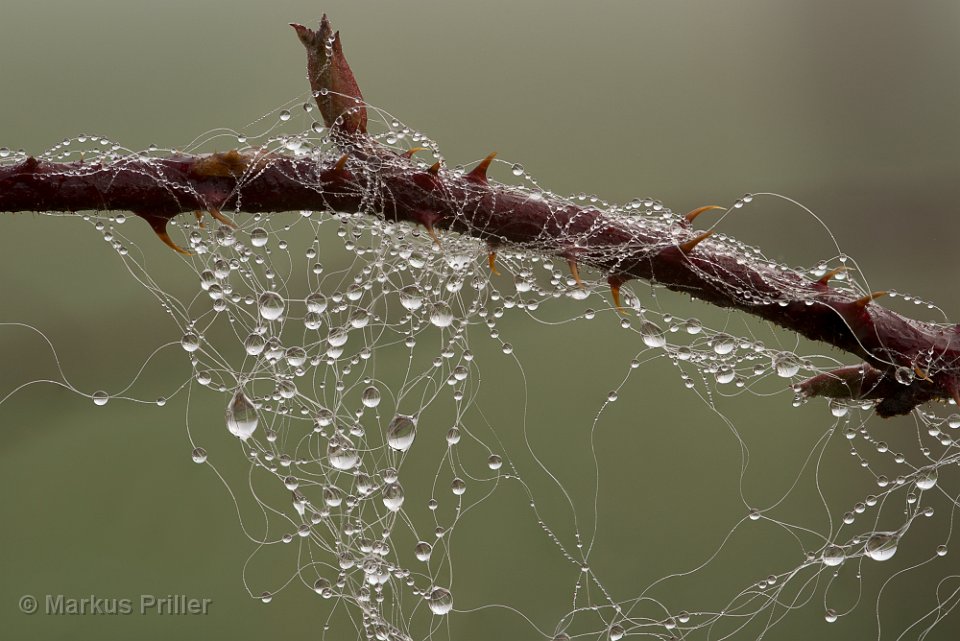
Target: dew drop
(393, 497)
(271, 305)
(833, 555)
(423, 551)
(341, 453)
(517, 169)
(100, 398)
(242, 416)
(401, 431)
(199, 455)
(258, 237)
(882, 546)
(440, 601)
(652, 335)
(371, 397)
(190, 342)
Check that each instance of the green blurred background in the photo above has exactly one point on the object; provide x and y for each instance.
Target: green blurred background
(849, 108)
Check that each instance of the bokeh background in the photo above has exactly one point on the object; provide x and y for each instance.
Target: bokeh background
(849, 108)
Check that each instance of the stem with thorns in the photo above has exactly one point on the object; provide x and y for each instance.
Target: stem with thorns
(672, 255)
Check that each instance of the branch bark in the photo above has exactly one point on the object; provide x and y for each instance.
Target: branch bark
(907, 362)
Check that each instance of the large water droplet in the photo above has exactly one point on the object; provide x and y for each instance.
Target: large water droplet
(882, 545)
(371, 396)
(441, 315)
(926, 478)
(401, 431)
(411, 298)
(242, 416)
(254, 344)
(440, 601)
(393, 497)
(652, 335)
(833, 555)
(271, 305)
(341, 453)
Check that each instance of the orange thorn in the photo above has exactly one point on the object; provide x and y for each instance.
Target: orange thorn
(223, 219)
(687, 247)
(492, 260)
(434, 168)
(615, 292)
(699, 210)
(865, 300)
(830, 274)
(199, 215)
(433, 234)
(479, 173)
(341, 163)
(921, 374)
(409, 152)
(576, 273)
(160, 228)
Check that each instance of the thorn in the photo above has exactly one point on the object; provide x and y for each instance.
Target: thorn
(433, 234)
(615, 284)
(223, 219)
(687, 247)
(866, 300)
(159, 226)
(830, 274)
(699, 210)
(576, 276)
(492, 260)
(921, 374)
(341, 163)
(479, 173)
(434, 168)
(199, 215)
(409, 152)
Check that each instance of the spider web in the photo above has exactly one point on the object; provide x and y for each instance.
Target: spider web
(430, 450)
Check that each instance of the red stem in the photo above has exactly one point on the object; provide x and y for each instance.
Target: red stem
(625, 248)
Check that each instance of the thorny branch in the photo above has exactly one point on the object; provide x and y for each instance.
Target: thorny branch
(907, 362)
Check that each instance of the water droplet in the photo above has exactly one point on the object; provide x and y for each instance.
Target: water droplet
(316, 303)
(517, 169)
(401, 431)
(441, 315)
(616, 632)
(284, 115)
(494, 462)
(652, 335)
(423, 551)
(341, 453)
(882, 545)
(833, 555)
(254, 344)
(830, 616)
(199, 455)
(190, 342)
(458, 486)
(786, 364)
(411, 298)
(271, 305)
(242, 417)
(258, 237)
(904, 375)
(393, 497)
(100, 398)
(440, 601)
(371, 397)
(926, 478)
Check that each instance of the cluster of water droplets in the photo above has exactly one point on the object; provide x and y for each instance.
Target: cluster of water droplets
(339, 363)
